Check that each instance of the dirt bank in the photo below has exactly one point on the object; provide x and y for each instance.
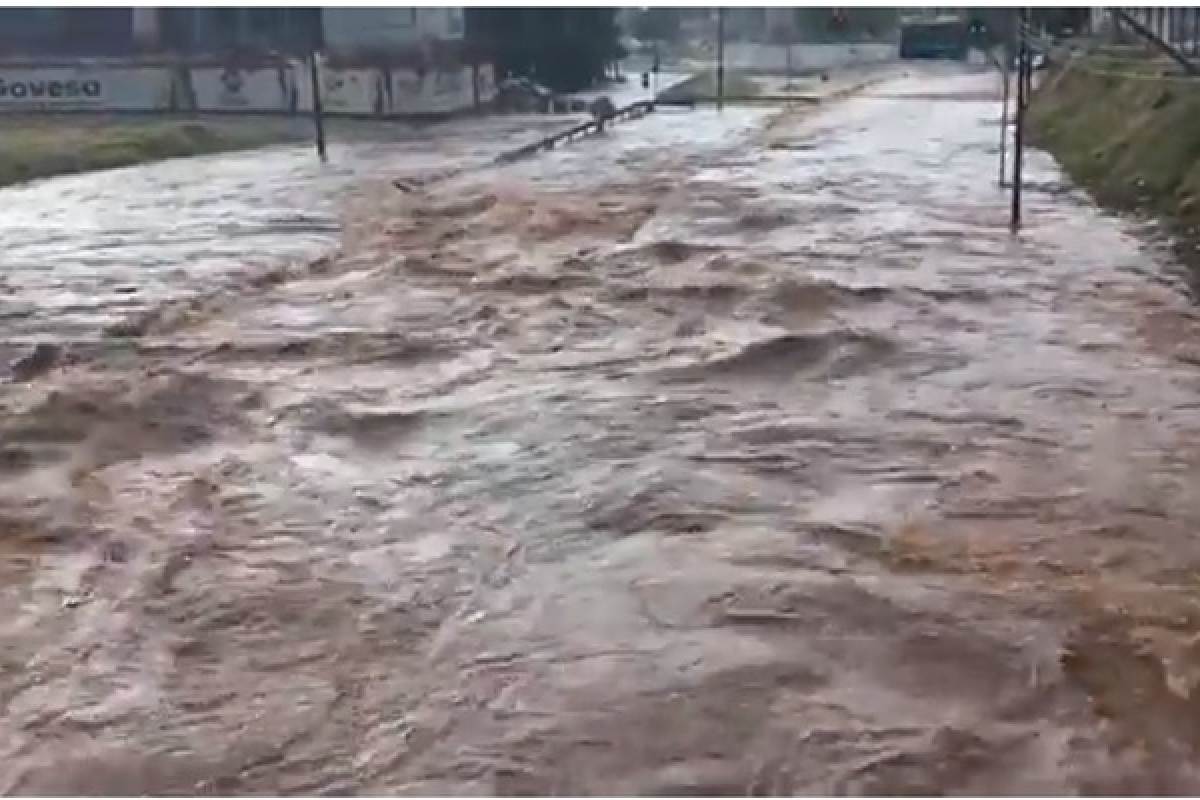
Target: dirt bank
(1126, 130)
(33, 148)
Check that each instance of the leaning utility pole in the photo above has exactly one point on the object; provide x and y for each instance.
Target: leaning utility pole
(720, 59)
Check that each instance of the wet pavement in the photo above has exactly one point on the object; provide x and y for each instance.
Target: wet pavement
(731, 453)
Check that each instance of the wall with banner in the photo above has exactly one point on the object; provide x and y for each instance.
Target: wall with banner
(83, 89)
(279, 88)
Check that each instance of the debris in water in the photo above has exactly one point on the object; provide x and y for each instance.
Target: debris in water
(45, 357)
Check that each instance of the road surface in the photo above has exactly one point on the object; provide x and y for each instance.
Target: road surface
(727, 453)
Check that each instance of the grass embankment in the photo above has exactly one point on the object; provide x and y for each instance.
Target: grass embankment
(1129, 133)
(41, 149)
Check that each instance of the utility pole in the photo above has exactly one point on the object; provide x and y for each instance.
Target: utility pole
(1024, 68)
(720, 59)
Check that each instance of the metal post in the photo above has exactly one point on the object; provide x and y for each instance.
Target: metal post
(318, 109)
(1023, 65)
(720, 59)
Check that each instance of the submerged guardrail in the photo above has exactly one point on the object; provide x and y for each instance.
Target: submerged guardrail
(589, 128)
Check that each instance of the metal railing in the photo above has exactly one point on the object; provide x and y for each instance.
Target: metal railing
(1171, 32)
(1177, 27)
(591, 127)
(1150, 28)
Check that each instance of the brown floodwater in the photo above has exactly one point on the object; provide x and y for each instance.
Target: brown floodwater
(727, 453)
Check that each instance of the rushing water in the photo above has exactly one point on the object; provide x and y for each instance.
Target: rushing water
(737, 452)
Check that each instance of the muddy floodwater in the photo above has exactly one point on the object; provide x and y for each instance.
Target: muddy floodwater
(733, 453)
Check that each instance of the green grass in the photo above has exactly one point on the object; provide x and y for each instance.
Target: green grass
(32, 150)
(1133, 140)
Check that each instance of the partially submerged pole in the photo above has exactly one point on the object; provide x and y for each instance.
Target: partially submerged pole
(1023, 68)
(318, 108)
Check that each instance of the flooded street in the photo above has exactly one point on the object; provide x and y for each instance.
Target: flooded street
(727, 453)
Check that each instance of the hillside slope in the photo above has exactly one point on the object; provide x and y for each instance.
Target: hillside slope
(1130, 134)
